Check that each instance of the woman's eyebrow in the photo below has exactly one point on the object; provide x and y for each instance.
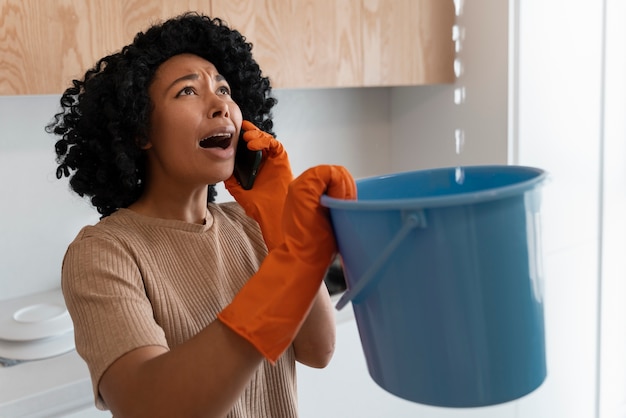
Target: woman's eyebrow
(193, 76)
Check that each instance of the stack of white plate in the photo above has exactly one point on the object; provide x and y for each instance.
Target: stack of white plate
(35, 327)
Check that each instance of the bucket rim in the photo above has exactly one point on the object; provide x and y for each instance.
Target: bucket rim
(464, 198)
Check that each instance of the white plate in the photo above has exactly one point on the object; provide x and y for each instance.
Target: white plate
(32, 317)
(39, 349)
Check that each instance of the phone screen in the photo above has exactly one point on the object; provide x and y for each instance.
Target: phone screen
(247, 164)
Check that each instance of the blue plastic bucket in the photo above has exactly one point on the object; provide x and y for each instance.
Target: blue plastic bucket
(443, 272)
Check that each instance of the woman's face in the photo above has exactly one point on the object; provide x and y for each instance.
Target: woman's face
(194, 125)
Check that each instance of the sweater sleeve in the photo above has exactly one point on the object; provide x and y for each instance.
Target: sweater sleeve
(105, 296)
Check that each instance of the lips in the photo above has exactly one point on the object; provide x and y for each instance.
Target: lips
(220, 140)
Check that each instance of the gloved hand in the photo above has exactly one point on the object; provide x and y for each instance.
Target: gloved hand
(269, 310)
(265, 201)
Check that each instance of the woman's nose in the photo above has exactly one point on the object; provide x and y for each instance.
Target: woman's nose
(217, 107)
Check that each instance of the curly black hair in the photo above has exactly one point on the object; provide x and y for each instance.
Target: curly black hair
(104, 119)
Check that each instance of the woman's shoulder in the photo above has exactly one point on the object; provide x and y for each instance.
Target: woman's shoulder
(121, 228)
(230, 209)
(129, 229)
(109, 226)
(233, 214)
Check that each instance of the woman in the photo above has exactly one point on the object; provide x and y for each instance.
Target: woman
(179, 309)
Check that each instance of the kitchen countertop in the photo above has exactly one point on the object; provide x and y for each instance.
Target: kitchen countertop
(45, 388)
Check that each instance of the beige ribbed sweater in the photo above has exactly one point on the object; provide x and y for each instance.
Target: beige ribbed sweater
(132, 281)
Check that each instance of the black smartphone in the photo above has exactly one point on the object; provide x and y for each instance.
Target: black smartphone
(247, 164)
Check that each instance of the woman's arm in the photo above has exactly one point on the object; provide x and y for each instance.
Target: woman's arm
(314, 344)
(205, 375)
(202, 377)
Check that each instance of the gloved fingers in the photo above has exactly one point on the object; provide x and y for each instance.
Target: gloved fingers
(334, 180)
(341, 184)
(246, 125)
(257, 140)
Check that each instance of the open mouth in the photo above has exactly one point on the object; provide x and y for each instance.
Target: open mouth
(217, 141)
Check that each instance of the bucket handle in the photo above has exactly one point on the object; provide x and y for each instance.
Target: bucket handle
(413, 220)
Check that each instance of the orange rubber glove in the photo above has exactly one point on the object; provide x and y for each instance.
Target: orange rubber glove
(269, 310)
(264, 202)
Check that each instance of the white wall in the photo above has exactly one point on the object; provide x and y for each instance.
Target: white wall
(38, 215)
(349, 127)
(559, 102)
(613, 313)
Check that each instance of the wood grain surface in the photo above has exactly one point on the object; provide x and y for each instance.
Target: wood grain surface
(44, 44)
(310, 43)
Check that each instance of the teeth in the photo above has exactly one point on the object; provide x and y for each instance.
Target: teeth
(217, 140)
(222, 135)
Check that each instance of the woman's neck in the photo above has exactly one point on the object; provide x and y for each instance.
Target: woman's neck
(190, 208)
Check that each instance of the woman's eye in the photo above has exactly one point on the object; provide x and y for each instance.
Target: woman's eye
(187, 91)
(224, 90)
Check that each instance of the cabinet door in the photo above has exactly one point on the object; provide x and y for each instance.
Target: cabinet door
(44, 44)
(300, 43)
(407, 42)
(347, 43)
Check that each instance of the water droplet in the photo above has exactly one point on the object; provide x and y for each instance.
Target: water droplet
(459, 95)
(458, 7)
(459, 140)
(458, 67)
(458, 36)
(456, 33)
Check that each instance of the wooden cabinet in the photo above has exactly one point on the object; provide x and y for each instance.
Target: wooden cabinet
(44, 44)
(347, 43)
(298, 43)
(407, 42)
(301, 43)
